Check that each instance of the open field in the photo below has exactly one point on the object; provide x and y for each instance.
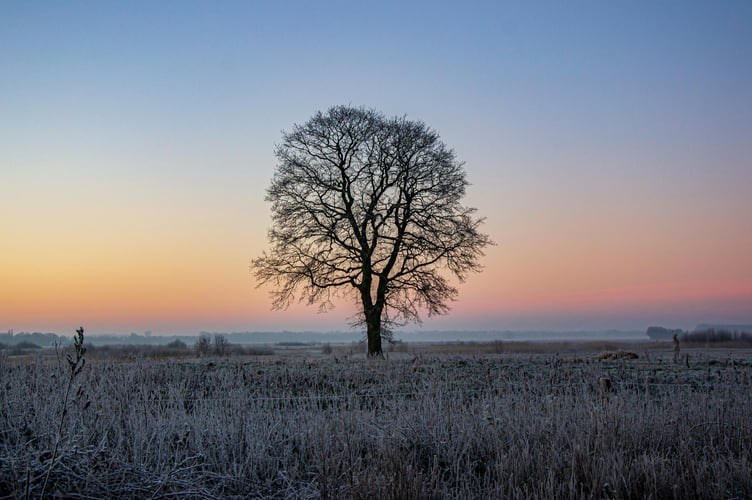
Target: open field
(497, 420)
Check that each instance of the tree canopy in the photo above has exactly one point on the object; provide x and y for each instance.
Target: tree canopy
(369, 206)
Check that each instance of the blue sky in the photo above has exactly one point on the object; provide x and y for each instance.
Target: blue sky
(607, 143)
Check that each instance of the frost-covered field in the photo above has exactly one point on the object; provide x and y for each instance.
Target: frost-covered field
(447, 425)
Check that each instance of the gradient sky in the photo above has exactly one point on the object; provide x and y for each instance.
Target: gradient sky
(609, 145)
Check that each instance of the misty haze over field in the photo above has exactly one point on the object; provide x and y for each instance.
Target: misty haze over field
(335, 337)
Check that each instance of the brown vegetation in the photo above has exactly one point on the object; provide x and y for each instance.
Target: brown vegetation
(613, 355)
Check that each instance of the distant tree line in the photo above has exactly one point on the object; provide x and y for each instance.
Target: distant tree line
(702, 334)
(717, 335)
(37, 339)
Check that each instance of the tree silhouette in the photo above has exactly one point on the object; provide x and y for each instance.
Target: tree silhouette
(368, 206)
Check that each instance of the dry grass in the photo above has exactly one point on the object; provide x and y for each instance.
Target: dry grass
(173, 351)
(616, 355)
(450, 426)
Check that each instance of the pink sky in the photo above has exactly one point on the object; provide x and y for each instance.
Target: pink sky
(610, 150)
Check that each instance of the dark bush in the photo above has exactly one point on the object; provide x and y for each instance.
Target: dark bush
(202, 345)
(177, 344)
(220, 345)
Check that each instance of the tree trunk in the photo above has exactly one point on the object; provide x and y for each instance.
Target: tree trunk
(373, 331)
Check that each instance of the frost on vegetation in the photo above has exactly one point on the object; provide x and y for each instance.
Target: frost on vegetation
(458, 426)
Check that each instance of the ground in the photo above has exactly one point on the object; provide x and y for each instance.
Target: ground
(514, 420)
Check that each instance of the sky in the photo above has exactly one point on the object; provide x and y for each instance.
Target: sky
(608, 145)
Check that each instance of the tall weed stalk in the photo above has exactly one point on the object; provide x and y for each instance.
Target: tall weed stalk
(75, 365)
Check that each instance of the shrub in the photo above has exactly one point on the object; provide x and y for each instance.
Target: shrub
(177, 344)
(202, 345)
(220, 345)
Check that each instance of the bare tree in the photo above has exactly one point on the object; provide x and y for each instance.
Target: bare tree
(202, 345)
(369, 206)
(220, 345)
